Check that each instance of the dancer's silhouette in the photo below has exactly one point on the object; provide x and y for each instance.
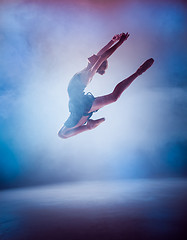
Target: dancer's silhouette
(81, 105)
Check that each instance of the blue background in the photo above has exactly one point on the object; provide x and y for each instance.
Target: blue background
(42, 45)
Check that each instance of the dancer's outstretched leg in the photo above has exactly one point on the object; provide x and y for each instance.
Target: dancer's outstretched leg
(120, 87)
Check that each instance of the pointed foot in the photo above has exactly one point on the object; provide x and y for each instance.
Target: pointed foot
(145, 66)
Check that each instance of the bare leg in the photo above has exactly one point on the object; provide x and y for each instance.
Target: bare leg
(69, 132)
(113, 97)
(120, 87)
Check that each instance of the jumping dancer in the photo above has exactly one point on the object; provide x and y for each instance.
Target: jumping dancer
(81, 105)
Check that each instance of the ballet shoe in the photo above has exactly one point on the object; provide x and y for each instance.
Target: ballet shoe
(146, 65)
(94, 123)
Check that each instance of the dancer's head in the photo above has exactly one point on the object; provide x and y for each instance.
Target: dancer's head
(101, 70)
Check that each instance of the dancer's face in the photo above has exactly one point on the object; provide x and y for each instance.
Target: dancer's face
(103, 68)
(101, 71)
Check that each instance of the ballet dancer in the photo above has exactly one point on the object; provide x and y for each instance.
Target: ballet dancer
(81, 105)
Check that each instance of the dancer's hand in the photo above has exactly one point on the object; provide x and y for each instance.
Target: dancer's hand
(123, 37)
(116, 38)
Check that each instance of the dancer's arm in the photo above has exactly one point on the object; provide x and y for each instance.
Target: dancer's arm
(105, 48)
(107, 54)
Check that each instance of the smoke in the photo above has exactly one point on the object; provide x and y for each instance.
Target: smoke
(43, 46)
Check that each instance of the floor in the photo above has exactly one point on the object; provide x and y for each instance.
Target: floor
(130, 209)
